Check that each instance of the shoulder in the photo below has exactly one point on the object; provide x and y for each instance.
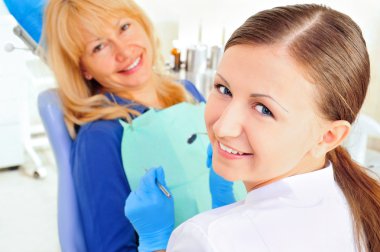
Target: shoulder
(208, 231)
(213, 222)
(265, 220)
(100, 129)
(96, 157)
(96, 140)
(209, 218)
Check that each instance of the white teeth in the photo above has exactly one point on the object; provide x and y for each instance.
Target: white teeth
(229, 150)
(134, 64)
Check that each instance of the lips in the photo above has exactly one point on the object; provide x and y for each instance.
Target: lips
(133, 66)
(231, 153)
(230, 150)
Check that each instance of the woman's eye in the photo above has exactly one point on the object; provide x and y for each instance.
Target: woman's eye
(223, 89)
(98, 48)
(125, 26)
(263, 110)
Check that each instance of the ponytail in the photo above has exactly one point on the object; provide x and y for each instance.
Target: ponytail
(363, 196)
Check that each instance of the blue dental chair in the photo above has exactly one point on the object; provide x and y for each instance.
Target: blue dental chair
(29, 15)
(69, 225)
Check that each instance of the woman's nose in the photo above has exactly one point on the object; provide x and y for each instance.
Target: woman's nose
(230, 123)
(122, 51)
(121, 55)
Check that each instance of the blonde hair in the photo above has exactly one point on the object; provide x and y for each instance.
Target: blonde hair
(81, 100)
(330, 48)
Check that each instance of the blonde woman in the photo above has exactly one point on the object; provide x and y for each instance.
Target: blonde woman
(291, 82)
(106, 59)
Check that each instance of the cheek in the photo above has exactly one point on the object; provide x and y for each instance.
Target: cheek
(279, 149)
(145, 43)
(99, 66)
(208, 117)
(212, 113)
(305, 133)
(149, 55)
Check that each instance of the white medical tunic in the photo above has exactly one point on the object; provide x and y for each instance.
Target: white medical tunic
(302, 213)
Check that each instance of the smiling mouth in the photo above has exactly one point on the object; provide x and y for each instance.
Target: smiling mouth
(132, 66)
(232, 151)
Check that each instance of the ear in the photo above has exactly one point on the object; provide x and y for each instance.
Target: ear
(335, 134)
(87, 75)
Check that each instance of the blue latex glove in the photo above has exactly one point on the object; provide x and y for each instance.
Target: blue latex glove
(151, 212)
(221, 190)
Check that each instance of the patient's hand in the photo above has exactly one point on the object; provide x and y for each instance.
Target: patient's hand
(221, 189)
(151, 212)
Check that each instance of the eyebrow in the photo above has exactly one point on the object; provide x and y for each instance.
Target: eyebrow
(255, 94)
(118, 22)
(270, 97)
(93, 41)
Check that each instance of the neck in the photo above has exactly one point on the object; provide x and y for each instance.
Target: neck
(145, 94)
(301, 168)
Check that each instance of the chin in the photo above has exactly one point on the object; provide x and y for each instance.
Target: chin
(226, 174)
(136, 82)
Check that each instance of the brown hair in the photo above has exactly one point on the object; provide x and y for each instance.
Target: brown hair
(330, 48)
(81, 100)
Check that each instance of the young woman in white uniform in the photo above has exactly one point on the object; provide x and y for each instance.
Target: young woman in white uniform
(291, 82)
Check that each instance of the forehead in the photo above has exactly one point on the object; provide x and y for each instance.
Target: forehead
(266, 69)
(100, 27)
(267, 63)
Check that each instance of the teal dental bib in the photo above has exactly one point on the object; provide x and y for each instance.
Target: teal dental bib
(159, 138)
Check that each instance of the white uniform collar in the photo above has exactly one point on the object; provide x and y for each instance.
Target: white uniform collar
(301, 190)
